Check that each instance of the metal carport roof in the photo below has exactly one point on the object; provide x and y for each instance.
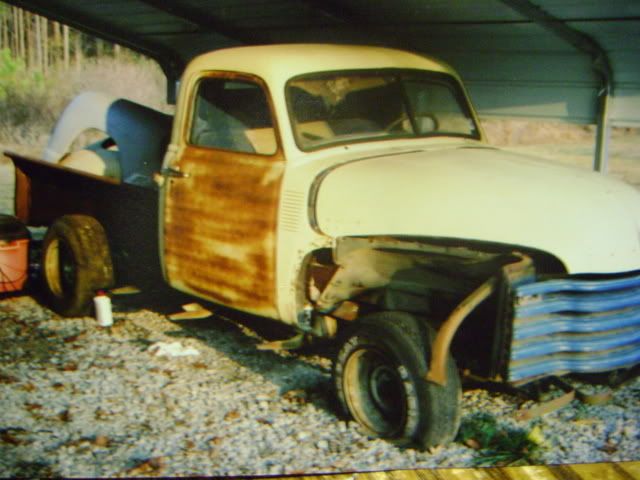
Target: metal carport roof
(575, 60)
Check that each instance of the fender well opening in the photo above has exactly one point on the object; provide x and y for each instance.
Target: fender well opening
(424, 277)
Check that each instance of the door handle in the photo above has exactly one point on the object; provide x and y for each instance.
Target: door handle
(173, 173)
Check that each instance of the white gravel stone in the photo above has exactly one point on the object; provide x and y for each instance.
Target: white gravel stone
(323, 445)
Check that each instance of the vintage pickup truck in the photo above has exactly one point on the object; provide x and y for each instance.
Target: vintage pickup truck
(350, 193)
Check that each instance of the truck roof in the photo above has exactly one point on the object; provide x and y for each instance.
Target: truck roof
(282, 62)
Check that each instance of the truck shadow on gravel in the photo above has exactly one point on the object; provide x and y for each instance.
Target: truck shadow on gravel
(302, 376)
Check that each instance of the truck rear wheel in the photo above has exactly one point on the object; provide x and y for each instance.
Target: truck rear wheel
(75, 263)
(379, 376)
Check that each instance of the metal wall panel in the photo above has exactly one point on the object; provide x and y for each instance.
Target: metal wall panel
(495, 48)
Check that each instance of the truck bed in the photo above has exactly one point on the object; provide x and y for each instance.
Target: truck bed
(45, 191)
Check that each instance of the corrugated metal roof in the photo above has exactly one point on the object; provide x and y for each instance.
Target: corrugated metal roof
(512, 64)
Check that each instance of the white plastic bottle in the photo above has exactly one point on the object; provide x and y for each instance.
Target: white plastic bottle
(103, 309)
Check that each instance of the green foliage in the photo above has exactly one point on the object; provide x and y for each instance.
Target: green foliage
(9, 68)
(496, 444)
(22, 95)
(15, 78)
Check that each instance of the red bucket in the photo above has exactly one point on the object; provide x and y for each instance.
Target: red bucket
(14, 254)
(14, 262)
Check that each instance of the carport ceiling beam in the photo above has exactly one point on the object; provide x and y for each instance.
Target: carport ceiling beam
(207, 22)
(335, 10)
(354, 19)
(599, 61)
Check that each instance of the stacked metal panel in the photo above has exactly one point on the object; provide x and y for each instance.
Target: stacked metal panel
(575, 326)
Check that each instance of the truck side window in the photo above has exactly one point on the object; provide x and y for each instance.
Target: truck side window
(232, 115)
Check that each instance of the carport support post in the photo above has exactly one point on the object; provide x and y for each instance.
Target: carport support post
(603, 131)
(599, 61)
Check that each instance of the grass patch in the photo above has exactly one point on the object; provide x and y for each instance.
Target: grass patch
(497, 445)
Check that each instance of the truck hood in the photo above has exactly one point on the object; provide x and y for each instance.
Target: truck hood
(588, 221)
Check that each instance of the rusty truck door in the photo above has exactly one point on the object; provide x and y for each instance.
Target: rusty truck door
(221, 196)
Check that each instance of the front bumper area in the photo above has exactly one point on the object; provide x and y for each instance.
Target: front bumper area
(574, 325)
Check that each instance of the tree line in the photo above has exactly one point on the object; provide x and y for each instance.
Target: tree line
(42, 44)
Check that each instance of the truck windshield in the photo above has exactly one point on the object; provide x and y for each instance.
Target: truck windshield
(345, 107)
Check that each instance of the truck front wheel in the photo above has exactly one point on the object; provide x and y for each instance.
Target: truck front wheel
(75, 263)
(379, 376)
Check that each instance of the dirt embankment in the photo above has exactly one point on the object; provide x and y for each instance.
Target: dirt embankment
(569, 144)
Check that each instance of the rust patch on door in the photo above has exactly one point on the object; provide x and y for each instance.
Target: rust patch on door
(220, 227)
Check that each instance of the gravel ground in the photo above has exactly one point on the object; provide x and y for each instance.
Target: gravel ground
(81, 400)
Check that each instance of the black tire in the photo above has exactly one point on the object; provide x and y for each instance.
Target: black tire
(75, 264)
(379, 376)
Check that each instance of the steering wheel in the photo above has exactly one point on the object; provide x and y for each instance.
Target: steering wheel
(396, 124)
(425, 122)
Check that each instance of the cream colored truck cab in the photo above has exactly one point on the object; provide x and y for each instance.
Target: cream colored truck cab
(349, 192)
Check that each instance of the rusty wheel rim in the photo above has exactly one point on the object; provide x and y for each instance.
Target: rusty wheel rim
(375, 392)
(59, 268)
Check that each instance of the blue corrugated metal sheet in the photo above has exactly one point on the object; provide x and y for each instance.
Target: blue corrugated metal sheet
(575, 325)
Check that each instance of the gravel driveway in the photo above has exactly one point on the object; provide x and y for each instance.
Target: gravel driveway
(80, 400)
